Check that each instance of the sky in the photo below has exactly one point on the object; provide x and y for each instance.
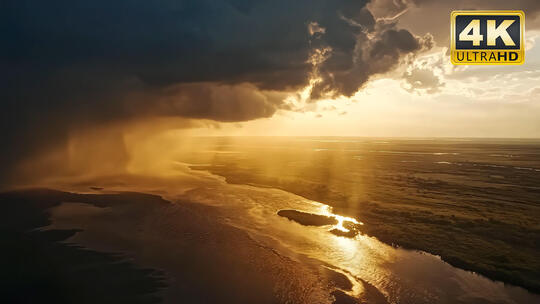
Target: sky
(426, 96)
(430, 98)
(80, 77)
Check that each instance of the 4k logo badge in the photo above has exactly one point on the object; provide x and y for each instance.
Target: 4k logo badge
(487, 37)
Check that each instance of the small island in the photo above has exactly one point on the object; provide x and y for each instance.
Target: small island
(342, 228)
(308, 219)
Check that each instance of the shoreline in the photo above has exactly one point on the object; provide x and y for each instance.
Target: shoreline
(201, 260)
(336, 202)
(159, 234)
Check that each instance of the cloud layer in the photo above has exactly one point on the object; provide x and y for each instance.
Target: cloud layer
(74, 64)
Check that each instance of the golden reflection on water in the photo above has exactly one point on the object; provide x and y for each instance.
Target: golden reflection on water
(348, 246)
(327, 210)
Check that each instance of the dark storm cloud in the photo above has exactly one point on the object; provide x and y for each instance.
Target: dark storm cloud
(219, 101)
(382, 49)
(69, 64)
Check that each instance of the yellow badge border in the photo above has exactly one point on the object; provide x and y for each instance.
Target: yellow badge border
(453, 15)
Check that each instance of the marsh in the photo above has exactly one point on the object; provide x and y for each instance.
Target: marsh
(307, 220)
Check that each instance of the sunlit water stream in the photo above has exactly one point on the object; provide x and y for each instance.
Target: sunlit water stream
(469, 179)
(403, 276)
